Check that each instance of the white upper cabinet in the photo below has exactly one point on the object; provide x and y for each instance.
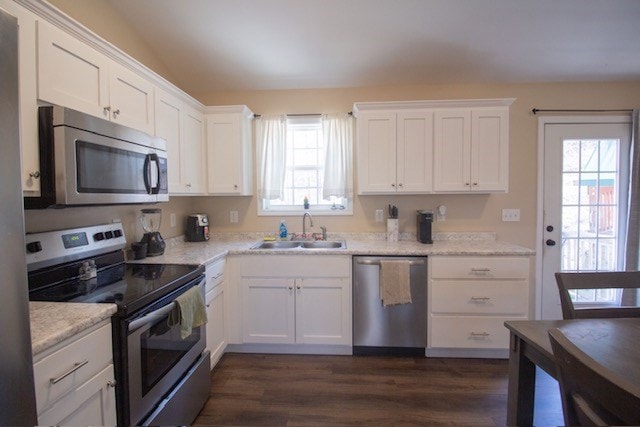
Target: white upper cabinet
(229, 153)
(192, 151)
(75, 75)
(28, 95)
(395, 152)
(168, 121)
(183, 128)
(413, 147)
(471, 150)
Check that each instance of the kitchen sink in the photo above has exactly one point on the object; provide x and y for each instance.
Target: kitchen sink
(316, 244)
(276, 245)
(323, 244)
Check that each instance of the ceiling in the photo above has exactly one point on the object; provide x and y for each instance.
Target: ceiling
(220, 45)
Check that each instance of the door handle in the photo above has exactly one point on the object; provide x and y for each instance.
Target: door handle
(550, 242)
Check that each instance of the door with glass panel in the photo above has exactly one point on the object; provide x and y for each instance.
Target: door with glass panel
(586, 177)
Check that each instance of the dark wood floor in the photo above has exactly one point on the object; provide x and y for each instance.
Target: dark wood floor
(294, 390)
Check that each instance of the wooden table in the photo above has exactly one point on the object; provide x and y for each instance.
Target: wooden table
(614, 343)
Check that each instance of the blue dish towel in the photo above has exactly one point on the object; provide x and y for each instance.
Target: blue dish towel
(189, 312)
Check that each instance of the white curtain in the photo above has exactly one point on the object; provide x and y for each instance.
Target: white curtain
(632, 255)
(337, 131)
(272, 140)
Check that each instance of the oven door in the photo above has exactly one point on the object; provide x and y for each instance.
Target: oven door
(157, 356)
(94, 169)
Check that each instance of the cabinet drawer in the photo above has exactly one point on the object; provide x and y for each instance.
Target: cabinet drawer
(479, 297)
(296, 266)
(214, 273)
(469, 332)
(480, 267)
(94, 349)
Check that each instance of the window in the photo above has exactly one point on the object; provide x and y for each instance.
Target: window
(305, 154)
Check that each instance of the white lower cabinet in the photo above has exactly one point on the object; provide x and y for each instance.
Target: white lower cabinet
(296, 300)
(74, 381)
(215, 302)
(469, 300)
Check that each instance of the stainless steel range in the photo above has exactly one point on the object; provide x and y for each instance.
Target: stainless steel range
(161, 377)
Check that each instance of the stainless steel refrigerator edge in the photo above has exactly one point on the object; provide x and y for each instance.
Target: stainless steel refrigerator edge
(17, 395)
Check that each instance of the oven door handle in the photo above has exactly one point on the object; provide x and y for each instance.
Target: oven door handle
(156, 314)
(151, 317)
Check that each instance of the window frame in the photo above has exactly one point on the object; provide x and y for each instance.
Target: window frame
(263, 209)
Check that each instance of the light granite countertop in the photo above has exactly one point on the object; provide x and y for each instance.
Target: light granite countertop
(220, 245)
(53, 322)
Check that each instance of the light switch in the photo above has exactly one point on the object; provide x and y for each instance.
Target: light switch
(379, 215)
(172, 219)
(233, 217)
(510, 215)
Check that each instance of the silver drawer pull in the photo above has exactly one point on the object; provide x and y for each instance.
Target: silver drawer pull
(76, 366)
(479, 334)
(480, 299)
(480, 270)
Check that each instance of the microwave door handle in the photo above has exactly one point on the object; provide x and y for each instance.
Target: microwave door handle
(146, 173)
(155, 189)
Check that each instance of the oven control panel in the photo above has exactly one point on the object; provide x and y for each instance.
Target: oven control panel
(55, 247)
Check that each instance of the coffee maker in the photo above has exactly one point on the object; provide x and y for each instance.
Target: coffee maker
(150, 221)
(197, 228)
(425, 219)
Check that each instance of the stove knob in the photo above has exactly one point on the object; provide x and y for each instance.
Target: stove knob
(98, 236)
(108, 234)
(34, 247)
(117, 233)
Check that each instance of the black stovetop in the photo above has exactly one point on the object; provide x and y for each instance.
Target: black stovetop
(130, 286)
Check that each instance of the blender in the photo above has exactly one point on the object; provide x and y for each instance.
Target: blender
(150, 220)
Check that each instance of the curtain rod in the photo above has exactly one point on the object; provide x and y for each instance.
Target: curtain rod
(257, 116)
(536, 111)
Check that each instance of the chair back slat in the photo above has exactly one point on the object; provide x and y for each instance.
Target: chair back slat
(625, 280)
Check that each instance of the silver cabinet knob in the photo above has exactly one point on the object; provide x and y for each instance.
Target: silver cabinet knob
(34, 174)
(106, 110)
(116, 112)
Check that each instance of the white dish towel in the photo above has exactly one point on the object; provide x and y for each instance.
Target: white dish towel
(395, 285)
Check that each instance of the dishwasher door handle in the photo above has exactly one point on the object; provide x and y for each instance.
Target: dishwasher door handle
(377, 262)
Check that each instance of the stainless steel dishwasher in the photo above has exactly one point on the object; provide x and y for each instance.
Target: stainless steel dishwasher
(392, 330)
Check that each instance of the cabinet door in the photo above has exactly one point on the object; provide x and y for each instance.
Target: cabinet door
(91, 404)
(130, 98)
(71, 73)
(415, 152)
(490, 149)
(224, 139)
(268, 311)
(452, 150)
(192, 151)
(377, 153)
(216, 337)
(28, 97)
(167, 124)
(323, 311)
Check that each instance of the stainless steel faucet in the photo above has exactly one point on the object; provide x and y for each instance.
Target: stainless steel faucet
(304, 229)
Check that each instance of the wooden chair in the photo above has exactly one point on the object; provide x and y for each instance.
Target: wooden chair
(591, 394)
(598, 280)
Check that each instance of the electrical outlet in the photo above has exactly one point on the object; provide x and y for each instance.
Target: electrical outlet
(379, 215)
(510, 215)
(233, 217)
(172, 219)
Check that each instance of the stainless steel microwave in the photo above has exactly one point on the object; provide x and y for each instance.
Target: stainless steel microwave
(85, 160)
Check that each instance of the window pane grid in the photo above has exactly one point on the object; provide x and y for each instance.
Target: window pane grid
(305, 170)
(590, 211)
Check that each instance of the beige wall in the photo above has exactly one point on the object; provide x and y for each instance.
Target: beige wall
(465, 212)
(101, 18)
